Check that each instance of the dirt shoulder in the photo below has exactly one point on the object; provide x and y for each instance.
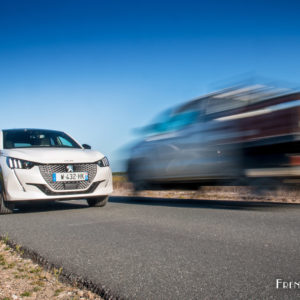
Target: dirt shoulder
(232, 193)
(23, 279)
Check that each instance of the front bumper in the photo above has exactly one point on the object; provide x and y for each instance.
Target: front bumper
(29, 185)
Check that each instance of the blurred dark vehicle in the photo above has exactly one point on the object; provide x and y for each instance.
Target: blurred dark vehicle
(237, 135)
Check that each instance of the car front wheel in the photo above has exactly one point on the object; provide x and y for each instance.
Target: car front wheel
(97, 202)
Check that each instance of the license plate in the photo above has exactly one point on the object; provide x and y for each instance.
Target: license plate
(76, 176)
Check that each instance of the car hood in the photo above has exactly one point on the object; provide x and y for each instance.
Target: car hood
(54, 155)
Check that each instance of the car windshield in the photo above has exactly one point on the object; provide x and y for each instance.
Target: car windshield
(36, 138)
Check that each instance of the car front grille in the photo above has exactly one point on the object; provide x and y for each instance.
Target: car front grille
(48, 170)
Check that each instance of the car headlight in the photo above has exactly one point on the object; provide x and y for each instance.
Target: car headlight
(15, 163)
(103, 162)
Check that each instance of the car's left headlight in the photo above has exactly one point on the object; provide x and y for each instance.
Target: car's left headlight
(15, 163)
(103, 162)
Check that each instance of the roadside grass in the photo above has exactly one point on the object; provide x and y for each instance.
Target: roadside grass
(21, 278)
(120, 181)
(119, 177)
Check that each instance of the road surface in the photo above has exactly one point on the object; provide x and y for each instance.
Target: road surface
(141, 248)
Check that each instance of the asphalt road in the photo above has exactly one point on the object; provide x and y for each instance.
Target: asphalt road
(168, 249)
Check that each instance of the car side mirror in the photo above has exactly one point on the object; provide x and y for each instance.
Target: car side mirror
(86, 146)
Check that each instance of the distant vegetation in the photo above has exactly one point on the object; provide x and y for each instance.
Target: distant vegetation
(119, 173)
(120, 180)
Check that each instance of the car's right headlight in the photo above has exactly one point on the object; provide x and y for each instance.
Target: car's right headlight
(15, 163)
(103, 162)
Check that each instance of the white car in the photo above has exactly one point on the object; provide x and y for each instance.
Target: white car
(38, 164)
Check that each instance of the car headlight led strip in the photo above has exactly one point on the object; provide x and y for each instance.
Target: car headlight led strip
(15, 163)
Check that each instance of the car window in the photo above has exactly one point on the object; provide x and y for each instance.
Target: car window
(35, 138)
(176, 122)
(64, 142)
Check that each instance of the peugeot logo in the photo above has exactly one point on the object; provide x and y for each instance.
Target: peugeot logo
(70, 168)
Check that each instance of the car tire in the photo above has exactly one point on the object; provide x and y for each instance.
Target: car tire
(97, 202)
(5, 208)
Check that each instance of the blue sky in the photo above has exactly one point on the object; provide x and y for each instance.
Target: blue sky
(98, 69)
